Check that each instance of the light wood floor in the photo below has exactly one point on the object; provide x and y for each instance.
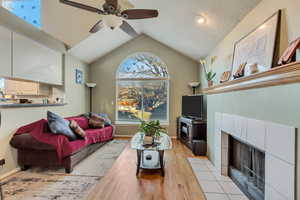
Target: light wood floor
(179, 182)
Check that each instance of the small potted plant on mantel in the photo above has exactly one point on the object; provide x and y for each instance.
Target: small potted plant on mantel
(209, 75)
(152, 130)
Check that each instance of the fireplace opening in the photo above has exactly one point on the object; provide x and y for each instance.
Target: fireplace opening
(247, 168)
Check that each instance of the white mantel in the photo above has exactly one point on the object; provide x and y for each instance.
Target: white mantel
(276, 140)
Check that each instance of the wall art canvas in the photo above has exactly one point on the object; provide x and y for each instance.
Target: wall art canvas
(79, 76)
(258, 47)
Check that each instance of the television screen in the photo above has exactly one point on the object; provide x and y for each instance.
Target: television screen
(192, 106)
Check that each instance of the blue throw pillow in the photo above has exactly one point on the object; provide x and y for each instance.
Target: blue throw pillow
(59, 125)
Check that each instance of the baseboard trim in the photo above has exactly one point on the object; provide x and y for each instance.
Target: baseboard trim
(10, 173)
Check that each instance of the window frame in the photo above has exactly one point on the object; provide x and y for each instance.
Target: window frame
(160, 79)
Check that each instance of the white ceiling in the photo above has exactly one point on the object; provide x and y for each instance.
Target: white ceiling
(175, 27)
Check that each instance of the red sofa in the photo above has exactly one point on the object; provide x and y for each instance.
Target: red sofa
(37, 146)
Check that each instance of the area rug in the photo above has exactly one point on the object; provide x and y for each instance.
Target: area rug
(49, 184)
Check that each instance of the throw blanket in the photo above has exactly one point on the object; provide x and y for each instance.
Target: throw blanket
(40, 131)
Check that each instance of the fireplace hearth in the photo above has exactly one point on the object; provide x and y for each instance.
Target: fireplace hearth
(247, 168)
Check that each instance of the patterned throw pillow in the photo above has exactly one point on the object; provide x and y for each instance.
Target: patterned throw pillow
(106, 119)
(77, 129)
(59, 125)
(96, 121)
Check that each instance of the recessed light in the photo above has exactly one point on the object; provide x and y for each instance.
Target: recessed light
(262, 26)
(200, 19)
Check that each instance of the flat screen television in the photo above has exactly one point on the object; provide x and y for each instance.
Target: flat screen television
(192, 106)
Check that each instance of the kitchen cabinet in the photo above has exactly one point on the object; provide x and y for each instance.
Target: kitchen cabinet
(5, 52)
(35, 62)
(14, 87)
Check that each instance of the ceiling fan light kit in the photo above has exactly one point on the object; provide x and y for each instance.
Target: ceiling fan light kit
(113, 16)
(112, 21)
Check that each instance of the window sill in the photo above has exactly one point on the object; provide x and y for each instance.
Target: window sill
(137, 123)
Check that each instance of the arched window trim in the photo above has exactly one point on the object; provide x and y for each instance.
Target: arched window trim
(145, 80)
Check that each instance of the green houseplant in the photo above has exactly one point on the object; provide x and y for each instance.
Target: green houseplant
(209, 75)
(152, 130)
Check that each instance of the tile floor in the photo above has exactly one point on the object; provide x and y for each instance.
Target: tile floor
(214, 185)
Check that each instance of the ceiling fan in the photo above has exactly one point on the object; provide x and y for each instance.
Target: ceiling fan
(114, 16)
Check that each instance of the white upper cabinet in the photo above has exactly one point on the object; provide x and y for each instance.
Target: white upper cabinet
(35, 62)
(5, 52)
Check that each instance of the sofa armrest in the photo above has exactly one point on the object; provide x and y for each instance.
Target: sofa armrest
(26, 141)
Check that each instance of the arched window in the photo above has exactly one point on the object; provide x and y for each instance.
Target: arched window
(142, 89)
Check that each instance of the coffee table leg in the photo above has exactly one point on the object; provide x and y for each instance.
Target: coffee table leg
(161, 160)
(139, 154)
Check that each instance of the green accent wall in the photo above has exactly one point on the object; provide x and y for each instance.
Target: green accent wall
(279, 104)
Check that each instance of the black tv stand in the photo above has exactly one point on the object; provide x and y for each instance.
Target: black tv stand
(191, 131)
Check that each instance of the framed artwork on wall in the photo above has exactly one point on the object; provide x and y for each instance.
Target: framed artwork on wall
(258, 47)
(78, 76)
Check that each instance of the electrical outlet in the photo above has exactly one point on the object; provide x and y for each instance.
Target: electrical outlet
(2, 162)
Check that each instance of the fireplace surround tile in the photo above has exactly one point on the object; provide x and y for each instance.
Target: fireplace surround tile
(240, 127)
(272, 194)
(227, 123)
(280, 175)
(280, 141)
(256, 132)
(276, 140)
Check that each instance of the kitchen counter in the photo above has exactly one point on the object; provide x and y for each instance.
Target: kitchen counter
(22, 105)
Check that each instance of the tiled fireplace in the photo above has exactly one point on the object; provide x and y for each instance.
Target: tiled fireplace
(270, 150)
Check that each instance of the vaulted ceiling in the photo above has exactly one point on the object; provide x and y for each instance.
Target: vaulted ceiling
(175, 26)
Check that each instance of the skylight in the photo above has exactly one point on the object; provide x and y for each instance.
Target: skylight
(28, 10)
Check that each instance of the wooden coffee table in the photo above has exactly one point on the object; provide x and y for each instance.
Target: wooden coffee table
(151, 157)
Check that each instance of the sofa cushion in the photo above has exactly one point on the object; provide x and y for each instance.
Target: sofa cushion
(59, 125)
(77, 129)
(99, 135)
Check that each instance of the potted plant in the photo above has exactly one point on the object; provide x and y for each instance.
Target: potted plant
(152, 130)
(209, 75)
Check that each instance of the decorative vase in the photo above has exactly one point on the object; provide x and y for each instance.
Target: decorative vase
(210, 83)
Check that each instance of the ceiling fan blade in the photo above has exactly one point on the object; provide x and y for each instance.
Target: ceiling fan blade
(139, 13)
(114, 3)
(127, 28)
(81, 6)
(99, 25)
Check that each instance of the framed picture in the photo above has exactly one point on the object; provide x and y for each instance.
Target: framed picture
(257, 47)
(79, 76)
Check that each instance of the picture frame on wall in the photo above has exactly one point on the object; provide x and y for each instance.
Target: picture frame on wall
(78, 76)
(258, 47)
